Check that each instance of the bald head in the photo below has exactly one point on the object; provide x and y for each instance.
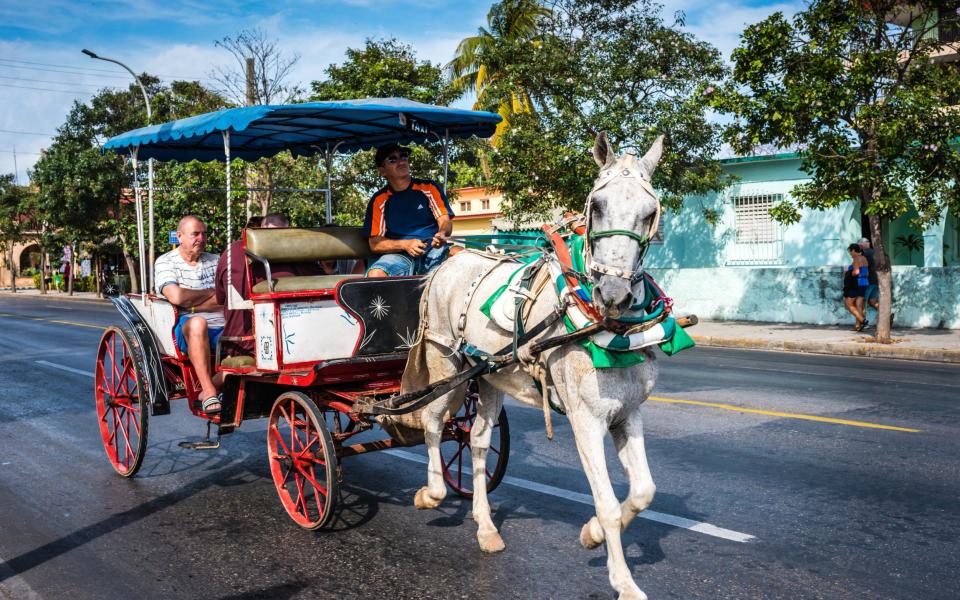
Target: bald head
(189, 222)
(192, 235)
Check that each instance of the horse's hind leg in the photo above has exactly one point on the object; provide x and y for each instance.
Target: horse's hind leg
(630, 448)
(589, 432)
(488, 409)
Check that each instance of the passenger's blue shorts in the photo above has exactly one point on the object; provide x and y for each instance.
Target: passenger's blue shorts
(212, 332)
(399, 265)
(872, 292)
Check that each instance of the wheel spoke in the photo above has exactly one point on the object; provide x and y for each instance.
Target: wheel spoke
(279, 438)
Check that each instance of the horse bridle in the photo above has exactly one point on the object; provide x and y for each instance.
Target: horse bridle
(643, 241)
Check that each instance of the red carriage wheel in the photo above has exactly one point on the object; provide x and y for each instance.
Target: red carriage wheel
(122, 409)
(303, 461)
(455, 449)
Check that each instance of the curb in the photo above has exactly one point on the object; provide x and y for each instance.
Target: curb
(55, 297)
(942, 355)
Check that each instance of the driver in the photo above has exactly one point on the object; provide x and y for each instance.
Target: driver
(408, 221)
(185, 277)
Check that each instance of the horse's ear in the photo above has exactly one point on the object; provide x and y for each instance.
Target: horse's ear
(603, 151)
(652, 157)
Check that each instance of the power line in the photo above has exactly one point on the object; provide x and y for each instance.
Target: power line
(24, 87)
(47, 81)
(27, 132)
(99, 76)
(27, 62)
(12, 152)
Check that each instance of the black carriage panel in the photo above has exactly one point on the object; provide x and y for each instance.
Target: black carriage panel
(388, 310)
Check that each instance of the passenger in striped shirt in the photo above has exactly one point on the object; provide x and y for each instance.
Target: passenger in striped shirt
(408, 221)
(185, 277)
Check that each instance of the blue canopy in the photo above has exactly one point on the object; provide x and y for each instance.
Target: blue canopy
(303, 129)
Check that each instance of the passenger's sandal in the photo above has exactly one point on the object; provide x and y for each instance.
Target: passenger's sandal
(211, 405)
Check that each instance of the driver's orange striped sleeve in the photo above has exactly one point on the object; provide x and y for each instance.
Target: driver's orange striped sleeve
(378, 223)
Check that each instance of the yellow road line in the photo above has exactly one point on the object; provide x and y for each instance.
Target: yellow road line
(46, 320)
(775, 413)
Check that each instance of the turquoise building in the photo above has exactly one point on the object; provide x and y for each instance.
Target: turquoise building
(748, 267)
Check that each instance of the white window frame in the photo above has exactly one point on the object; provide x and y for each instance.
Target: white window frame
(757, 239)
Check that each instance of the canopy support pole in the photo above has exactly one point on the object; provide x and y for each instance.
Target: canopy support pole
(446, 156)
(328, 157)
(226, 154)
(140, 242)
(150, 203)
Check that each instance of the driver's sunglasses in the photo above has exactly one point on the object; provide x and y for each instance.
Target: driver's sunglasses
(395, 158)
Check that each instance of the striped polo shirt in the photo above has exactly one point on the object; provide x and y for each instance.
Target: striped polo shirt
(170, 268)
(410, 214)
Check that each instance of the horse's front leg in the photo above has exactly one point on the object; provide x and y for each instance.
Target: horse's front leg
(488, 409)
(432, 494)
(630, 448)
(588, 431)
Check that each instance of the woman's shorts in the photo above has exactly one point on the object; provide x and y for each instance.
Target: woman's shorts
(857, 292)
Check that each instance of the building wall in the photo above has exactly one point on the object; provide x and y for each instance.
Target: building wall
(797, 279)
(473, 215)
(923, 296)
(819, 238)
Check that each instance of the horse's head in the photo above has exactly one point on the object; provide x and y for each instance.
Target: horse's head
(622, 216)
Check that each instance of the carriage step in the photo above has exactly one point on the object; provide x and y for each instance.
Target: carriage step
(204, 444)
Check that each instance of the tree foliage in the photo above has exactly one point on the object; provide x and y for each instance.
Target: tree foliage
(383, 69)
(604, 65)
(478, 61)
(857, 85)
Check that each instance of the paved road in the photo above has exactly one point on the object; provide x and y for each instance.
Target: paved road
(828, 509)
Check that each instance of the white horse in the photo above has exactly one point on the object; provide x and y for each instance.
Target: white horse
(595, 400)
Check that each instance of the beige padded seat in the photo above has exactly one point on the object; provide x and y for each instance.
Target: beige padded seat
(296, 245)
(237, 362)
(297, 284)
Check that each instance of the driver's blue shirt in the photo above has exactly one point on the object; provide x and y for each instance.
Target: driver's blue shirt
(410, 214)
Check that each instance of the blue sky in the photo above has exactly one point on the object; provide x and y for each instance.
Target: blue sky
(40, 43)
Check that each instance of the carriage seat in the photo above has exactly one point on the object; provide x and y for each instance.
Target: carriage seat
(300, 245)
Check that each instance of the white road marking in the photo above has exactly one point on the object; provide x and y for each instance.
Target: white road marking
(549, 490)
(650, 515)
(66, 368)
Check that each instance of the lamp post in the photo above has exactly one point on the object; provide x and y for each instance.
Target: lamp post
(147, 285)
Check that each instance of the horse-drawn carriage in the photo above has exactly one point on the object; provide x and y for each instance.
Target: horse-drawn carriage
(569, 327)
(323, 346)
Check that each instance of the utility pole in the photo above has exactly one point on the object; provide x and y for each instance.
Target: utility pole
(251, 100)
(16, 173)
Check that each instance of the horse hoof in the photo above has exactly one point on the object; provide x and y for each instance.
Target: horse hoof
(491, 542)
(634, 594)
(423, 500)
(591, 535)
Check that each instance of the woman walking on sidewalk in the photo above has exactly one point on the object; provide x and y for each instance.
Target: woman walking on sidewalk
(855, 282)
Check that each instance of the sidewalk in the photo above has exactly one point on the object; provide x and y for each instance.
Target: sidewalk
(937, 345)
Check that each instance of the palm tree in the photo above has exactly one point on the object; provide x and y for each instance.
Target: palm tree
(508, 22)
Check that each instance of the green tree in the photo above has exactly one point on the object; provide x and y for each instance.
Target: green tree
(855, 84)
(613, 66)
(385, 68)
(12, 206)
(479, 61)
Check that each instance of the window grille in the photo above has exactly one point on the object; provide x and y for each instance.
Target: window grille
(759, 239)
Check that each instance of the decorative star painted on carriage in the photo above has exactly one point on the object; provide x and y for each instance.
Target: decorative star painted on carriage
(379, 307)
(408, 339)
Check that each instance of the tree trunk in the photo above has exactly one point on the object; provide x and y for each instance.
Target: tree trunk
(13, 271)
(96, 276)
(43, 270)
(132, 267)
(72, 271)
(884, 279)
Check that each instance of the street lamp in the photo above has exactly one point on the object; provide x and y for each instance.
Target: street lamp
(147, 285)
